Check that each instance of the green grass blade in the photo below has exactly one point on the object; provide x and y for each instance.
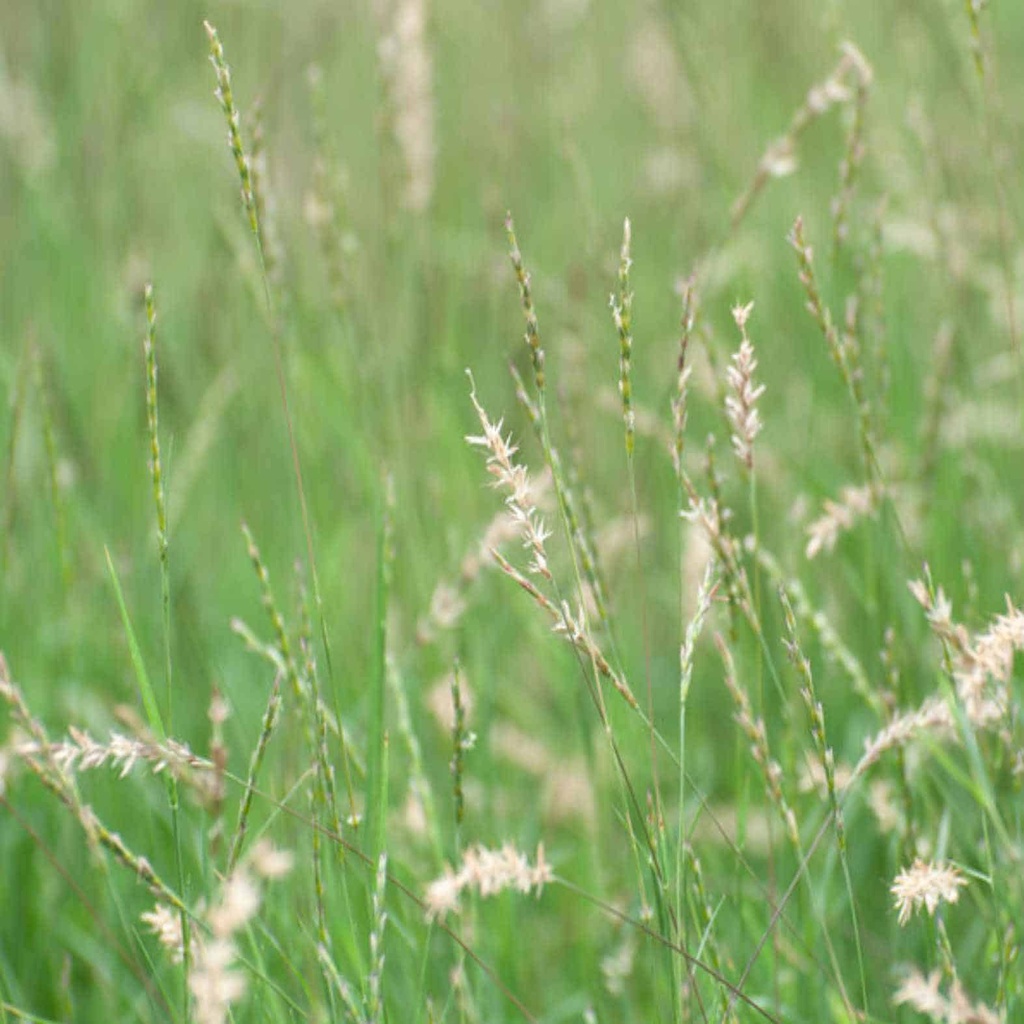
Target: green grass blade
(149, 701)
(377, 742)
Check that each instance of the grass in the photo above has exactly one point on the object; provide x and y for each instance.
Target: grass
(296, 728)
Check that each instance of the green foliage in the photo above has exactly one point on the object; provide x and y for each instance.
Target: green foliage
(722, 846)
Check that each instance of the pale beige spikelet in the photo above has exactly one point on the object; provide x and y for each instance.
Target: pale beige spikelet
(932, 719)
(487, 872)
(926, 885)
(215, 981)
(924, 994)
(449, 600)
(513, 478)
(839, 517)
(982, 664)
(165, 924)
(81, 752)
(741, 402)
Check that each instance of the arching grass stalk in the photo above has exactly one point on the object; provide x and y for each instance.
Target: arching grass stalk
(845, 352)
(841, 348)
(250, 205)
(853, 156)
(44, 765)
(569, 624)
(532, 338)
(734, 993)
(577, 513)
(780, 158)
(825, 633)
(707, 513)
(269, 725)
(323, 798)
(826, 757)
(753, 728)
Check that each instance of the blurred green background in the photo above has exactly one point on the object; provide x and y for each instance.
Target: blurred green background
(573, 115)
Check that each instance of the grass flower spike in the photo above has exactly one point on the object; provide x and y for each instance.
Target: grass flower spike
(741, 403)
(926, 885)
(226, 98)
(622, 316)
(487, 872)
(515, 480)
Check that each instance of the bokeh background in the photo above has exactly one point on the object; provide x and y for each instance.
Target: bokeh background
(394, 138)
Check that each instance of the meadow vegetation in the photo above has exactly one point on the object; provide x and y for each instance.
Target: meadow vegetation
(417, 611)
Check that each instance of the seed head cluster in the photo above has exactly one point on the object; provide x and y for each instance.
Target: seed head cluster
(514, 479)
(487, 872)
(741, 403)
(926, 885)
(925, 995)
(983, 663)
(214, 981)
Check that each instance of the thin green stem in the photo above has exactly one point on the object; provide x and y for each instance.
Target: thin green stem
(163, 547)
(250, 204)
